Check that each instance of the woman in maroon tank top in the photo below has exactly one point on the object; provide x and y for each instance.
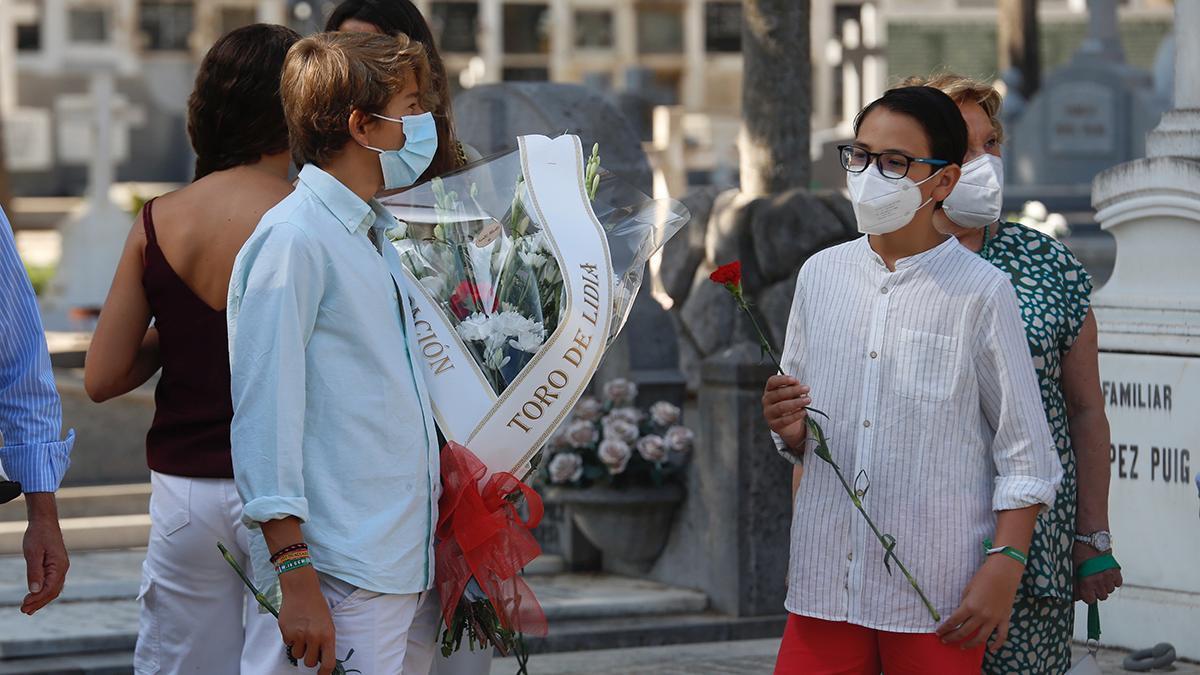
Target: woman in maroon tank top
(175, 271)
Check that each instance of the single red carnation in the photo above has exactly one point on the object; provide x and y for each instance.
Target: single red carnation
(729, 274)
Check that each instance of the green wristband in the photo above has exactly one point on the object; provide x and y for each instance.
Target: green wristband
(1009, 551)
(293, 565)
(1100, 563)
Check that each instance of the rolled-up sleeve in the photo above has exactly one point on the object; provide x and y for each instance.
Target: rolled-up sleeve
(793, 355)
(34, 453)
(274, 297)
(1023, 449)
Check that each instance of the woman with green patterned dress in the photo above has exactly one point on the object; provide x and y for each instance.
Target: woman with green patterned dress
(1054, 291)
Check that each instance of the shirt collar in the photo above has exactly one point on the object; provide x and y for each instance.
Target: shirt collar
(352, 212)
(912, 260)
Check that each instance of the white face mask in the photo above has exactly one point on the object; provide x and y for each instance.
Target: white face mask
(977, 197)
(883, 205)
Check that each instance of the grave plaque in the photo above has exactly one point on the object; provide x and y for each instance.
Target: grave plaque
(1151, 402)
(1082, 119)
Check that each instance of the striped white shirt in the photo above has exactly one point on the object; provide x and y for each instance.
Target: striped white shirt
(33, 452)
(926, 376)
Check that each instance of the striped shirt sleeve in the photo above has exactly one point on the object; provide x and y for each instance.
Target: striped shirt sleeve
(793, 350)
(1028, 468)
(30, 410)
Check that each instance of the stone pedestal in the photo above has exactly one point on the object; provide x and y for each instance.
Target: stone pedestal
(1149, 319)
(732, 532)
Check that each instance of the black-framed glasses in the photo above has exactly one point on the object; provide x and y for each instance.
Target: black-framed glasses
(894, 165)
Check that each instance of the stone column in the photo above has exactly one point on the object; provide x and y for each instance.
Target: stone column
(694, 56)
(491, 40)
(1149, 319)
(732, 534)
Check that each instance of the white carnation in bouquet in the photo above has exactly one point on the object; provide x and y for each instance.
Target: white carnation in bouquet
(566, 467)
(615, 455)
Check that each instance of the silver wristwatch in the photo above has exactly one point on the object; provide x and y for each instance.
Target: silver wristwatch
(1100, 540)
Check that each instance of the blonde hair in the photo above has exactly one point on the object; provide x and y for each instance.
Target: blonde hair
(963, 89)
(328, 75)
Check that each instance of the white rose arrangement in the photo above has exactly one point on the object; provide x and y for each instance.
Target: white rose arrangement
(608, 441)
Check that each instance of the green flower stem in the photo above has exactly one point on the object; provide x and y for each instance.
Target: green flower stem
(817, 434)
(886, 540)
(338, 669)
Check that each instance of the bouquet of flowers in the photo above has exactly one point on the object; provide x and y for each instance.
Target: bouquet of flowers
(609, 442)
(520, 270)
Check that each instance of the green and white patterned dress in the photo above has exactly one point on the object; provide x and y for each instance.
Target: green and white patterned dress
(1053, 290)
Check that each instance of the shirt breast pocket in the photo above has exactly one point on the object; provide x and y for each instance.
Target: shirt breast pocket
(927, 366)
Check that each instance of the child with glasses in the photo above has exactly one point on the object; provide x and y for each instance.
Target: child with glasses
(915, 349)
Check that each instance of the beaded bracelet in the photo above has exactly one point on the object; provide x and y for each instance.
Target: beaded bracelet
(289, 549)
(293, 565)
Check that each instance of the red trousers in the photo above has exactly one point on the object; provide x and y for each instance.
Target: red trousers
(818, 647)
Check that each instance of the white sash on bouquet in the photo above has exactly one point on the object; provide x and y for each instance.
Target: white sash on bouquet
(506, 431)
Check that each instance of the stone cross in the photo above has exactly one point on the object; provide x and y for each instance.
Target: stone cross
(1102, 39)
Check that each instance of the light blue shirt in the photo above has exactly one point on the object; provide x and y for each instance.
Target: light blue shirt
(331, 421)
(30, 410)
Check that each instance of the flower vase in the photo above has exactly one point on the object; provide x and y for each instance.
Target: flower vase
(629, 526)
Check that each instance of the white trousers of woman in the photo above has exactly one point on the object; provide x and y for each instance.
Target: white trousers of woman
(197, 616)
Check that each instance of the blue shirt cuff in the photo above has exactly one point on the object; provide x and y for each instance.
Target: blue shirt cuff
(264, 509)
(38, 467)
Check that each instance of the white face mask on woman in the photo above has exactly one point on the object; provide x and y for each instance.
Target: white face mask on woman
(883, 205)
(977, 198)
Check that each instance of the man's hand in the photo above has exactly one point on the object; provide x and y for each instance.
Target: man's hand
(1097, 586)
(784, 404)
(46, 560)
(305, 621)
(986, 607)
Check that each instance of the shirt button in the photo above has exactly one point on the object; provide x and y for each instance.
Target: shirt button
(866, 423)
(874, 355)
(860, 493)
(883, 290)
(850, 555)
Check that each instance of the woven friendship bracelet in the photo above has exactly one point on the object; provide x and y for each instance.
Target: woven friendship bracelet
(289, 549)
(293, 565)
(289, 557)
(1009, 551)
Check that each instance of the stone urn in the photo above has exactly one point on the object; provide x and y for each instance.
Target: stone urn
(629, 526)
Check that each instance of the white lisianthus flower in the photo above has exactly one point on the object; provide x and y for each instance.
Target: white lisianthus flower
(620, 392)
(615, 455)
(580, 433)
(679, 439)
(566, 467)
(588, 408)
(664, 414)
(620, 430)
(652, 448)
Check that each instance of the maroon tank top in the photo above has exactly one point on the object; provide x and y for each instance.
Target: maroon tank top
(193, 407)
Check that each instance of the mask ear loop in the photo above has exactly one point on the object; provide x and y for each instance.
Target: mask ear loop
(924, 181)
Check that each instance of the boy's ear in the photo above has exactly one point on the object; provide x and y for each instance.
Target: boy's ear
(359, 123)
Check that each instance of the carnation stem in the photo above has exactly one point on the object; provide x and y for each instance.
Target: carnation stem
(817, 435)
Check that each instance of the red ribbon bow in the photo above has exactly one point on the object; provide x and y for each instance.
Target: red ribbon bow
(481, 535)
